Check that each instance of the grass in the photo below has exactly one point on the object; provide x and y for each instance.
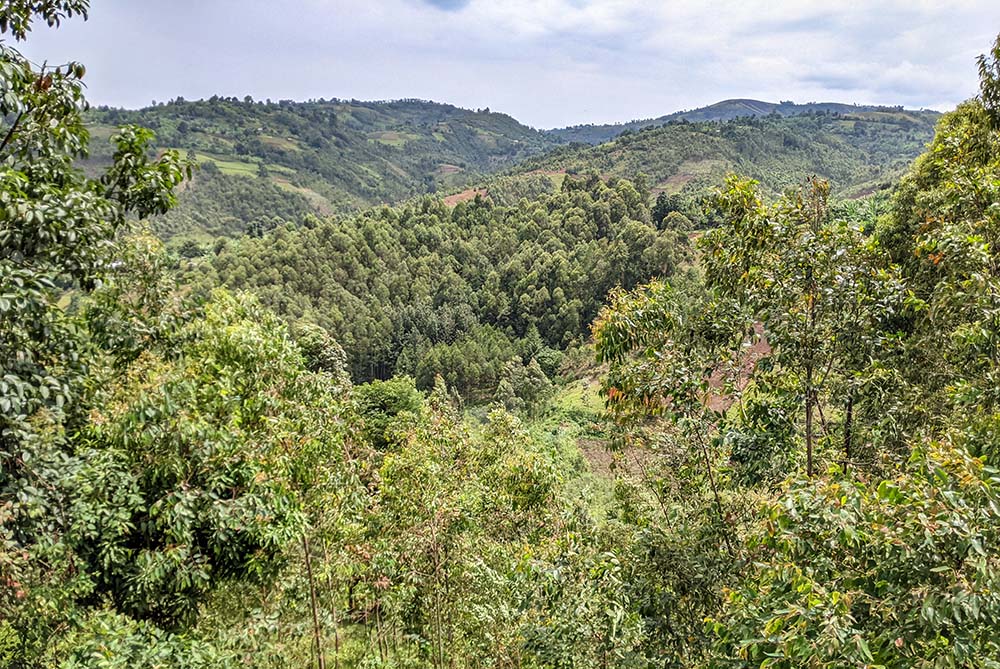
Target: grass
(688, 171)
(226, 166)
(392, 138)
(574, 430)
(280, 169)
(884, 116)
(558, 178)
(279, 143)
(489, 139)
(242, 168)
(101, 133)
(570, 424)
(579, 399)
(200, 237)
(321, 203)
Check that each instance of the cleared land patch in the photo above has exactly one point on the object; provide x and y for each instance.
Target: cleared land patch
(392, 138)
(688, 171)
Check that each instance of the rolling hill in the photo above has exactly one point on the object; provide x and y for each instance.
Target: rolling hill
(264, 164)
(857, 151)
(726, 110)
(316, 157)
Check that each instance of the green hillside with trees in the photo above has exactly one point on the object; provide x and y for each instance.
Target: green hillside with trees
(427, 289)
(726, 110)
(292, 158)
(857, 152)
(776, 448)
(263, 164)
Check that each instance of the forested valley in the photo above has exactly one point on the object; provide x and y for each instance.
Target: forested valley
(710, 393)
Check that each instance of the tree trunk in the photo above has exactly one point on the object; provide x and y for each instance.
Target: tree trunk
(848, 418)
(334, 607)
(317, 630)
(715, 490)
(809, 421)
(383, 645)
(810, 349)
(436, 595)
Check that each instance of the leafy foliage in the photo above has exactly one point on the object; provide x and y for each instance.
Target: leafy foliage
(989, 77)
(884, 554)
(898, 573)
(426, 289)
(16, 16)
(190, 479)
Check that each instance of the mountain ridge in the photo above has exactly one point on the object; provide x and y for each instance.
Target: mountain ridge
(723, 110)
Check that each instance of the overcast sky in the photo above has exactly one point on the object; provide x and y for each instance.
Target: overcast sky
(546, 62)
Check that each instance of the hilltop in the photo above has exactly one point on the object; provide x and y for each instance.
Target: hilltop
(726, 110)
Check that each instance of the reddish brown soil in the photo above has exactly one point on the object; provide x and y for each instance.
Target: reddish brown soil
(719, 401)
(631, 461)
(608, 464)
(464, 196)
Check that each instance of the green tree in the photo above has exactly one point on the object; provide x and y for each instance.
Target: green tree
(901, 572)
(827, 299)
(943, 231)
(989, 83)
(17, 16)
(381, 403)
(58, 228)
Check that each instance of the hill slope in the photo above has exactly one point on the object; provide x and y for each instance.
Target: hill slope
(726, 110)
(320, 157)
(267, 163)
(856, 152)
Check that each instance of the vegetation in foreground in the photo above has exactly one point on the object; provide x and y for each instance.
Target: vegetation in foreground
(802, 428)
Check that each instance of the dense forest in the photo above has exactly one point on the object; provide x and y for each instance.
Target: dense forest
(427, 289)
(559, 425)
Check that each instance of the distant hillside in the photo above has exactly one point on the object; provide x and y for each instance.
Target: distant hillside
(720, 111)
(319, 157)
(857, 151)
(263, 164)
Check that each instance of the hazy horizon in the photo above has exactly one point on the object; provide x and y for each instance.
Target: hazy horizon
(551, 63)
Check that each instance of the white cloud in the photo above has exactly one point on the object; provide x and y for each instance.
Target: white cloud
(547, 62)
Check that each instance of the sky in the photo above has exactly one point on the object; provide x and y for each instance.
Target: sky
(548, 63)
